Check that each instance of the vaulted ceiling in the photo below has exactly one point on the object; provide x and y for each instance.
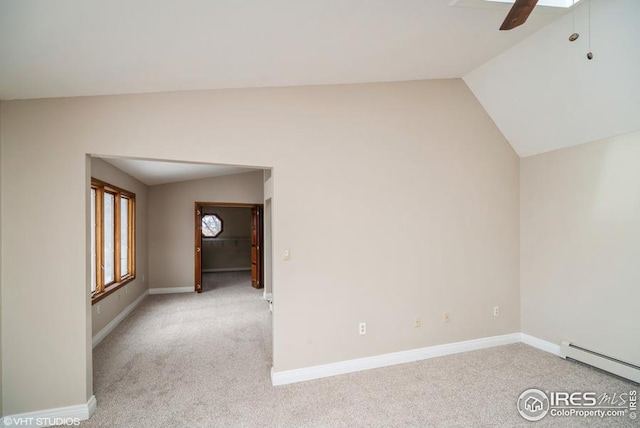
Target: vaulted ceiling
(544, 94)
(153, 173)
(67, 48)
(540, 90)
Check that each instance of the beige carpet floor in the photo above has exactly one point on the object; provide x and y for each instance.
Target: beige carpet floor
(188, 360)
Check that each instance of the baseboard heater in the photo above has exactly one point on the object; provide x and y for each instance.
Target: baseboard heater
(598, 360)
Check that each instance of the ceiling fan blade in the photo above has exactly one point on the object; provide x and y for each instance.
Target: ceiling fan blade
(518, 14)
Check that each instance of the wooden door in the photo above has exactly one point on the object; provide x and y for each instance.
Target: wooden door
(198, 249)
(256, 247)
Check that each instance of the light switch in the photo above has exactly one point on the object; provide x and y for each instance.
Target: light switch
(286, 255)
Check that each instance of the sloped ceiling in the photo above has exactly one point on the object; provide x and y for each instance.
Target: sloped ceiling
(152, 172)
(63, 48)
(540, 90)
(544, 94)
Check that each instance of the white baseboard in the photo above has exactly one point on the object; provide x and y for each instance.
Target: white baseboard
(350, 366)
(45, 418)
(267, 296)
(92, 405)
(117, 320)
(57, 416)
(171, 290)
(244, 269)
(543, 345)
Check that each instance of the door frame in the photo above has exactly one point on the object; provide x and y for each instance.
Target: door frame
(197, 251)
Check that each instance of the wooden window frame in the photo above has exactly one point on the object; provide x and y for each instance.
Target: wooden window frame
(102, 289)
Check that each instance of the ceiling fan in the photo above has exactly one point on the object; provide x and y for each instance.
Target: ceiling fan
(518, 14)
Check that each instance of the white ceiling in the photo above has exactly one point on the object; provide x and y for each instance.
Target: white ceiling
(153, 173)
(544, 94)
(539, 89)
(68, 48)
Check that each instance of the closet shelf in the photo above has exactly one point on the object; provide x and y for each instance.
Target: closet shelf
(225, 239)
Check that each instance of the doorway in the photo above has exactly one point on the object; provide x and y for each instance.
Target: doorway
(228, 238)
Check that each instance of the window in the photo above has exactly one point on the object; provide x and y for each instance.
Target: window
(112, 238)
(211, 226)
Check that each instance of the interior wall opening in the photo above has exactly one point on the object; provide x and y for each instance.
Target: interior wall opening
(166, 192)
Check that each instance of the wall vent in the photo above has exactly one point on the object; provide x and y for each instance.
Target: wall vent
(623, 369)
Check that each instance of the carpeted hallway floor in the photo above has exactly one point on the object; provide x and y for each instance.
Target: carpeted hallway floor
(187, 360)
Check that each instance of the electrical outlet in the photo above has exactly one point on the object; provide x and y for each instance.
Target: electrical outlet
(445, 317)
(98, 309)
(496, 311)
(286, 255)
(417, 322)
(362, 330)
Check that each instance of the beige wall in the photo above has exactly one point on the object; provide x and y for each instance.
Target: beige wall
(268, 248)
(171, 223)
(1, 366)
(222, 252)
(580, 246)
(268, 232)
(115, 303)
(448, 179)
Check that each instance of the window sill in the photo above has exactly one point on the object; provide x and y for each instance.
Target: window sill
(110, 289)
